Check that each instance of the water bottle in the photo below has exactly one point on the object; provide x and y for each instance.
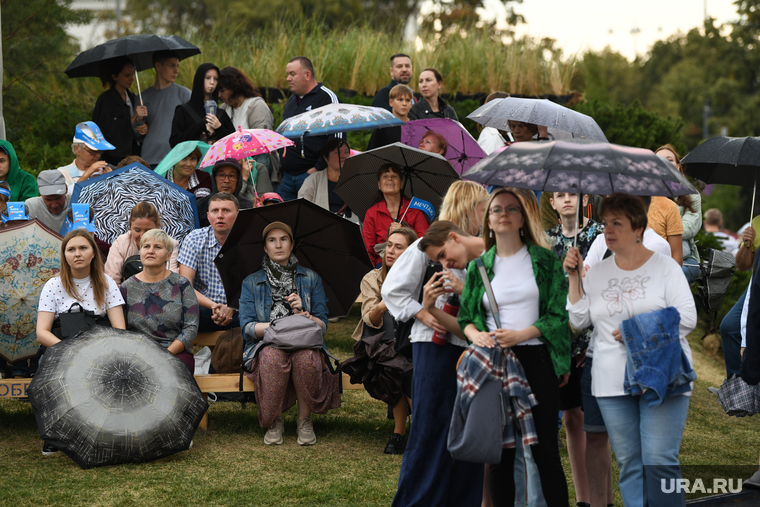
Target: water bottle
(452, 308)
(210, 107)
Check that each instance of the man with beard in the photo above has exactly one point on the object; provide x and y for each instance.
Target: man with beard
(401, 73)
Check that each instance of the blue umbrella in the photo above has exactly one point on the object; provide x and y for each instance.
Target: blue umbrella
(113, 195)
(334, 118)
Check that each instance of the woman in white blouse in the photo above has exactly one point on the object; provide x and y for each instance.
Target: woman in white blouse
(83, 281)
(632, 282)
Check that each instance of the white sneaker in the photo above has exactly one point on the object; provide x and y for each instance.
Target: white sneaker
(305, 431)
(275, 431)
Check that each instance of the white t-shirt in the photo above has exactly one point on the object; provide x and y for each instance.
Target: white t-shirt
(652, 241)
(516, 293)
(55, 299)
(614, 295)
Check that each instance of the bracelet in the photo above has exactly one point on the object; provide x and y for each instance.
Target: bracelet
(544, 139)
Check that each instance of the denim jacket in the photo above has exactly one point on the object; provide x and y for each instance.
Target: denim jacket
(656, 365)
(256, 301)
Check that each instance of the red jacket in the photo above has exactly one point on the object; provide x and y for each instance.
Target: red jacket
(377, 220)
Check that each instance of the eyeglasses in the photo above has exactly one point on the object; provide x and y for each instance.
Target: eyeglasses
(509, 211)
(229, 177)
(91, 151)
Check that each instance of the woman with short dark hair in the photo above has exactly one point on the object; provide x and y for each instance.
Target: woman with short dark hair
(632, 282)
(390, 212)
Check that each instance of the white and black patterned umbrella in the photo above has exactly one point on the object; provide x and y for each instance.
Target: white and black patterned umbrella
(499, 112)
(110, 396)
(580, 165)
(113, 195)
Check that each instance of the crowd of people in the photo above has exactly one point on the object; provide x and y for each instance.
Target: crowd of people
(564, 289)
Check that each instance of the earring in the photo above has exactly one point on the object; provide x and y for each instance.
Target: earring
(522, 233)
(638, 240)
(490, 234)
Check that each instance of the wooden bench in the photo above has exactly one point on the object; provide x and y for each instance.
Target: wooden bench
(229, 382)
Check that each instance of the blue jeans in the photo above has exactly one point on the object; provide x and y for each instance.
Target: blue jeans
(731, 337)
(290, 185)
(206, 324)
(533, 484)
(691, 269)
(643, 436)
(429, 476)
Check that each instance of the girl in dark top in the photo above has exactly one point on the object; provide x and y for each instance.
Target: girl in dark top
(117, 111)
(431, 105)
(191, 122)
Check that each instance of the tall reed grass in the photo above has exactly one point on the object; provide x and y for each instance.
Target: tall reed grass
(356, 58)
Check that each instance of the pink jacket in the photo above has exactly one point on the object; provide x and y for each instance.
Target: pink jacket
(123, 248)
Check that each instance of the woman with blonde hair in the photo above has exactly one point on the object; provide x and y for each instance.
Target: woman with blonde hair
(82, 282)
(427, 463)
(530, 289)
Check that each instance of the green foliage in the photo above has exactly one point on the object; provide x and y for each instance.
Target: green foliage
(633, 125)
(607, 76)
(733, 201)
(41, 105)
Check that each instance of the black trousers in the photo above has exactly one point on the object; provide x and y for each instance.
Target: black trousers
(543, 382)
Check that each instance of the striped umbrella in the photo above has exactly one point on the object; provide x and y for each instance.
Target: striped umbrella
(113, 195)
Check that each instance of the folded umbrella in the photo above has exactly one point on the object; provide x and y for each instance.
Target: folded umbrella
(378, 366)
(110, 396)
(498, 112)
(737, 398)
(426, 176)
(324, 242)
(463, 151)
(29, 257)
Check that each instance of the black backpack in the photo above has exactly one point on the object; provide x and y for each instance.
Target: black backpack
(132, 266)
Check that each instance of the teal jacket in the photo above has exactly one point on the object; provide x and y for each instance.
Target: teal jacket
(552, 296)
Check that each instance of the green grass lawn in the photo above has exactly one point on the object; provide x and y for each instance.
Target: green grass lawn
(230, 465)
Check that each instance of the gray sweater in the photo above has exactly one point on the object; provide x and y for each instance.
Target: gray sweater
(161, 105)
(35, 208)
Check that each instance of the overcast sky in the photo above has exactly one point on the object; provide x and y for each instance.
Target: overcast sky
(593, 24)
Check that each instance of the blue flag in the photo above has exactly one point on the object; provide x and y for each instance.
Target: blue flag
(423, 206)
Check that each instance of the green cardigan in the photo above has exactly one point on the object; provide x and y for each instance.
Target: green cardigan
(552, 295)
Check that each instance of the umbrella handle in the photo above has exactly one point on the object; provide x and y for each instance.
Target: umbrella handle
(139, 92)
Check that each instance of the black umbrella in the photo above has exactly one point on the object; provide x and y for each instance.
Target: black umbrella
(110, 396)
(426, 176)
(324, 242)
(139, 48)
(378, 366)
(583, 167)
(728, 161)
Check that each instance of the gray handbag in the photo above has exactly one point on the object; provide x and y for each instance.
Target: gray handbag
(477, 438)
(294, 332)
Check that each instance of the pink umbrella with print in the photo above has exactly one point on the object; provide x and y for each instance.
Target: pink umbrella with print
(243, 144)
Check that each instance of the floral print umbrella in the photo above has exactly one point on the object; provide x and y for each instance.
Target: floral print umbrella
(244, 143)
(30, 254)
(334, 118)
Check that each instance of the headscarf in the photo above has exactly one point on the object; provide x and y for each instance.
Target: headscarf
(23, 185)
(282, 283)
(179, 152)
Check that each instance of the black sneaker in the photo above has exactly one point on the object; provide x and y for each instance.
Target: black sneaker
(49, 449)
(396, 444)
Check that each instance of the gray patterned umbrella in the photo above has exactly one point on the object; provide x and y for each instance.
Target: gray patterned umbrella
(583, 166)
(110, 396)
(113, 195)
(498, 112)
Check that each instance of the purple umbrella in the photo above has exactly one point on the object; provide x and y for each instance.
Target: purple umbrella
(463, 152)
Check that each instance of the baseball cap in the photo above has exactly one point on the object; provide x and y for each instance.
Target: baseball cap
(90, 135)
(277, 225)
(51, 182)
